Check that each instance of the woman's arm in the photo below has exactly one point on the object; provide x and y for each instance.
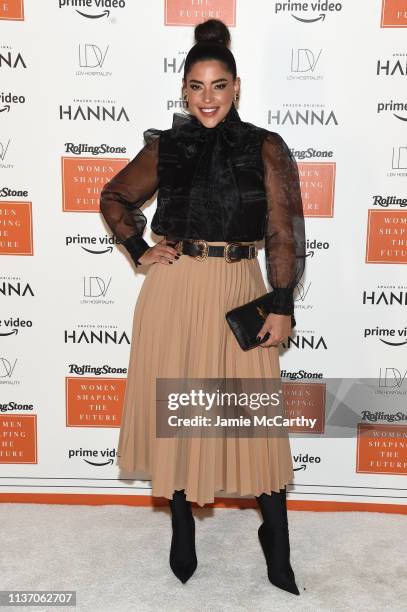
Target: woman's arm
(285, 227)
(122, 196)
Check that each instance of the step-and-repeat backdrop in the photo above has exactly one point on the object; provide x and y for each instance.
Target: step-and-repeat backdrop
(80, 81)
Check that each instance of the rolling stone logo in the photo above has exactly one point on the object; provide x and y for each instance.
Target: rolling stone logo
(386, 237)
(191, 12)
(12, 10)
(394, 14)
(381, 449)
(16, 232)
(18, 438)
(94, 402)
(317, 180)
(83, 179)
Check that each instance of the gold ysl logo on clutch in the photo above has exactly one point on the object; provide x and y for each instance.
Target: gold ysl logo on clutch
(262, 312)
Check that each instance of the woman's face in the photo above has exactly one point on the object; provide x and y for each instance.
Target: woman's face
(210, 91)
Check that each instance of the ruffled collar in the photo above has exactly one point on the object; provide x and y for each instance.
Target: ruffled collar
(229, 129)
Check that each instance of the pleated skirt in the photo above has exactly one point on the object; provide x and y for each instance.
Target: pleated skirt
(180, 331)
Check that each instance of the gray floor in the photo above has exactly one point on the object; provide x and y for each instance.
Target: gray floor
(116, 559)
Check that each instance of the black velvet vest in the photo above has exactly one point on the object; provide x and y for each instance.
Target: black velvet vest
(211, 180)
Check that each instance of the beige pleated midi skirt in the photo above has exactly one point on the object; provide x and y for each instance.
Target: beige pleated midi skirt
(180, 331)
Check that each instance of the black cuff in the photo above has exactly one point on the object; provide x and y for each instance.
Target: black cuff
(136, 246)
(283, 301)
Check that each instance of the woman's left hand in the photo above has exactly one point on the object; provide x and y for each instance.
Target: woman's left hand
(279, 328)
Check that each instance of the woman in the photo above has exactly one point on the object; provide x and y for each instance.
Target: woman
(220, 180)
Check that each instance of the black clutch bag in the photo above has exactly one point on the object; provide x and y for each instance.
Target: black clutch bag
(246, 321)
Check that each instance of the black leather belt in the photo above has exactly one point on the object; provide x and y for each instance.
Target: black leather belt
(232, 251)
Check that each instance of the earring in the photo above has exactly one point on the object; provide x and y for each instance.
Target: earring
(236, 97)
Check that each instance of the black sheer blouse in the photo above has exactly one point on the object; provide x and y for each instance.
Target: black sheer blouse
(233, 182)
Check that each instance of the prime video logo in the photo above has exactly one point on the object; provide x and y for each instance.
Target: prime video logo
(93, 9)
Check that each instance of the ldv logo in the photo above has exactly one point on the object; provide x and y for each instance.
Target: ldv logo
(6, 367)
(92, 56)
(304, 60)
(302, 291)
(95, 286)
(3, 149)
(392, 377)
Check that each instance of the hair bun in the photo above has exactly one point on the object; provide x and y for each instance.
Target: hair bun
(212, 31)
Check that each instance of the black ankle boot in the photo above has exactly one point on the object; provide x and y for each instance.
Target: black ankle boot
(183, 559)
(273, 536)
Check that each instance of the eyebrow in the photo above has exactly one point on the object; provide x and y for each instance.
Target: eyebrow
(201, 82)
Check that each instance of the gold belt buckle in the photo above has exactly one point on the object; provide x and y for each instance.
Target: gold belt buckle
(227, 247)
(204, 254)
(253, 251)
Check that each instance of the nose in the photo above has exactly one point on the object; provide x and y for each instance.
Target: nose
(207, 96)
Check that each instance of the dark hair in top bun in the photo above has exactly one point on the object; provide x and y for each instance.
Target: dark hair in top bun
(212, 30)
(212, 42)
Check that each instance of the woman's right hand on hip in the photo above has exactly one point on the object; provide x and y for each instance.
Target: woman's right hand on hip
(162, 252)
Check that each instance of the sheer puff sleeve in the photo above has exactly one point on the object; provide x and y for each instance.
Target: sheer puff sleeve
(122, 197)
(285, 227)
